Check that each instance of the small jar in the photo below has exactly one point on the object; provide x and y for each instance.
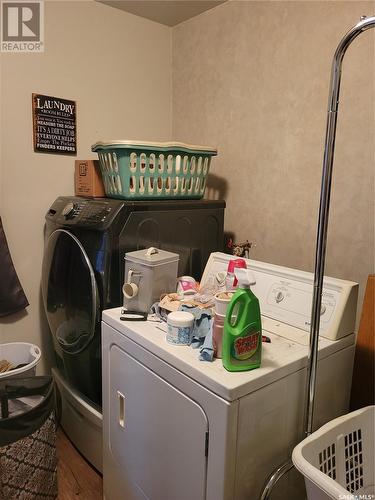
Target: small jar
(222, 300)
(180, 327)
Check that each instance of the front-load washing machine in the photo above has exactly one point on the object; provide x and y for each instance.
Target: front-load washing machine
(176, 428)
(83, 273)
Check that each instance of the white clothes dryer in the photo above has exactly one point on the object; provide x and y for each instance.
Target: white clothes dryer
(176, 428)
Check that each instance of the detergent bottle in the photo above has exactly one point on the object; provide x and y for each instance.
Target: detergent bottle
(242, 337)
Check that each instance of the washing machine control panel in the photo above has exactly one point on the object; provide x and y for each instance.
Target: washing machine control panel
(87, 213)
(71, 210)
(96, 215)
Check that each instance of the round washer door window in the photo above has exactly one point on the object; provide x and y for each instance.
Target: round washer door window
(70, 292)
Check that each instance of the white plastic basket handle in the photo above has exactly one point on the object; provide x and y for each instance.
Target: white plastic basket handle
(34, 351)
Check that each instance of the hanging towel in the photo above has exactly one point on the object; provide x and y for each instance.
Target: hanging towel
(12, 296)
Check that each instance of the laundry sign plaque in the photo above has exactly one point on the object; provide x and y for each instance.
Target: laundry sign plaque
(54, 125)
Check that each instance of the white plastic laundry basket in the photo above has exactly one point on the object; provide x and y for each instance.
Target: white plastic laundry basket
(338, 459)
(20, 353)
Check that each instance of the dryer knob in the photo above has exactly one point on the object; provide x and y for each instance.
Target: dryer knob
(68, 210)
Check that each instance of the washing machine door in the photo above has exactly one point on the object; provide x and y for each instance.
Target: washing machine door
(70, 292)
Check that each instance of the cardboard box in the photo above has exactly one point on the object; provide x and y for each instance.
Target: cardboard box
(87, 179)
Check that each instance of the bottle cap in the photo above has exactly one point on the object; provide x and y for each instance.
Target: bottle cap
(233, 263)
(245, 278)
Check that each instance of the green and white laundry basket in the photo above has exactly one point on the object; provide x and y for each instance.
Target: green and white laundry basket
(153, 170)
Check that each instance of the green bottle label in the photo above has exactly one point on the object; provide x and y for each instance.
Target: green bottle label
(245, 347)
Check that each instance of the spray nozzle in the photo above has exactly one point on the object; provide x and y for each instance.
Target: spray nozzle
(245, 277)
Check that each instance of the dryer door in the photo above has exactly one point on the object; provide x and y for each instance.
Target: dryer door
(157, 435)
(70, 292)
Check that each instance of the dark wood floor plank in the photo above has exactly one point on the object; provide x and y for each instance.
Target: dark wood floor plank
(77, 480)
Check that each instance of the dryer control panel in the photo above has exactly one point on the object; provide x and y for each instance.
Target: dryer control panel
(290, 300)
(286, 294)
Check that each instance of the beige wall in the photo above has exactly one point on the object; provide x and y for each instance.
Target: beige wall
(251, 77)
(117, 68)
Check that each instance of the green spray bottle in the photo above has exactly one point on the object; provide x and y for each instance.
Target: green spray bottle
(242, 337)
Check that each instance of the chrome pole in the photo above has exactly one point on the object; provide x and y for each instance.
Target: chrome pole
(321, 241)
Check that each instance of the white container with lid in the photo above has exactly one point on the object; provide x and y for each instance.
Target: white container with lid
(180, 327)
(148, 274)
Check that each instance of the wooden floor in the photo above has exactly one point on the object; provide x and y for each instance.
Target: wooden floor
(77, 480)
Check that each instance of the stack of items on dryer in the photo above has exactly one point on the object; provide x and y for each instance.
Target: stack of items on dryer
(196, 315)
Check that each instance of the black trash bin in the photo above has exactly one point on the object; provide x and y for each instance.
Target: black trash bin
(28, 460)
